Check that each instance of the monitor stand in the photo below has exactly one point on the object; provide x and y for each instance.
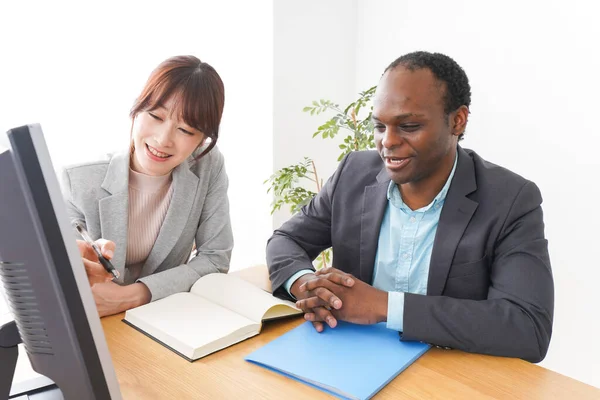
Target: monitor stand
(9, 340)
(9, 352)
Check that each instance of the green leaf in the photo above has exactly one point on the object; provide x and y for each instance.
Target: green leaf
(286, 184)
(351, 105)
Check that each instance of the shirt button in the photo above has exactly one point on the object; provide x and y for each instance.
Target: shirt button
(412, 219)
(405, 256)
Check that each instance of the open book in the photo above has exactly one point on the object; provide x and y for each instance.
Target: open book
(218, 311)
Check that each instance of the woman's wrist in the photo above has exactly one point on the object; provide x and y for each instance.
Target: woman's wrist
(138, 295)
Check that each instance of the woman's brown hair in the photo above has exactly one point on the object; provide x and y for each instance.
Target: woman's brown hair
(197, 91)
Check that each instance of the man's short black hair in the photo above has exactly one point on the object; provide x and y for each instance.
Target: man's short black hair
(445, 69)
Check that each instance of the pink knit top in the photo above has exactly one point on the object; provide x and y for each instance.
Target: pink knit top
(149, 199)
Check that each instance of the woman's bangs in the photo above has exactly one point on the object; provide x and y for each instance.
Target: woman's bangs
(192, 108)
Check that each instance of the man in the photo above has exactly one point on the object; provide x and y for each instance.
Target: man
(444, 246)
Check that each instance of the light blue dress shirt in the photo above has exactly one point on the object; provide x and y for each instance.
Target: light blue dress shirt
(403, 251)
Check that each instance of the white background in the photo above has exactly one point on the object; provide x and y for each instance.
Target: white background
(314, 48)
(78, 69)
(533, 68)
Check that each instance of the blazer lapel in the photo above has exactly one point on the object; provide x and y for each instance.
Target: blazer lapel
(373, 208)
(114, 209)
(185, 186)
(456, 215)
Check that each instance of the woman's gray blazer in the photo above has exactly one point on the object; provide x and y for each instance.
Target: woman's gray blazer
(97, 195)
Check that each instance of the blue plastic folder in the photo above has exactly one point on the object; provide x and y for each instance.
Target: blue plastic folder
(349, 362)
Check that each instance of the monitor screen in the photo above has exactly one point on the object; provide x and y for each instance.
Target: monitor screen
(43, 276)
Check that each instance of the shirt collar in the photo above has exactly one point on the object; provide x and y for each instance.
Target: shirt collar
(394, 196)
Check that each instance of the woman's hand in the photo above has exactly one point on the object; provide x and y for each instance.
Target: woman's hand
(94, 270)
(112, 298)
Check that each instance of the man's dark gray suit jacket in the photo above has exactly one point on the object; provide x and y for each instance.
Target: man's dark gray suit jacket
(490, 287)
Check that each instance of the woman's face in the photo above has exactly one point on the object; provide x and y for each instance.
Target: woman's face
(162, 141)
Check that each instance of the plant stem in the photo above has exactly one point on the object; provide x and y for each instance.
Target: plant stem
(316, 176)
(353, 115)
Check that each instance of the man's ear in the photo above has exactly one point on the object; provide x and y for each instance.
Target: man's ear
(459, 120)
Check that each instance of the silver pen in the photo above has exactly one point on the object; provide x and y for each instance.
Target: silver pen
(105, 263)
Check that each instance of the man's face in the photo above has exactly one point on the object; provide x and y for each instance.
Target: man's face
(413, 135)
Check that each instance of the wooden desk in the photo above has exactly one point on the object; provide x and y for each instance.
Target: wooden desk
(147, 370)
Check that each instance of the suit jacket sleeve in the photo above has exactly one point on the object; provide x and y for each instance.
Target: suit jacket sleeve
(73, 212)
(516, 318)
(301, 239)
(214, 242)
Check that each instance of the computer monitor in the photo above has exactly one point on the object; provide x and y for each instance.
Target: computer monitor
(43, 275)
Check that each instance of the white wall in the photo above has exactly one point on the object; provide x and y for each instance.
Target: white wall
(533, 68)
(77, 70)
(314, 58)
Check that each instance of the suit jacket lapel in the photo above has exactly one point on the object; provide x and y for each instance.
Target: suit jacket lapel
(373, 208)
(185, 186)
(114, 209)
(456, 215)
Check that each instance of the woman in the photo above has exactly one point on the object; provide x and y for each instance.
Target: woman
(149, 207)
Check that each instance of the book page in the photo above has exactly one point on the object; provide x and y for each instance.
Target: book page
(187, 322)
(242, 297)
(258, 275)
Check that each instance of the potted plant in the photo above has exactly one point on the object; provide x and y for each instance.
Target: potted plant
(287, 183)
